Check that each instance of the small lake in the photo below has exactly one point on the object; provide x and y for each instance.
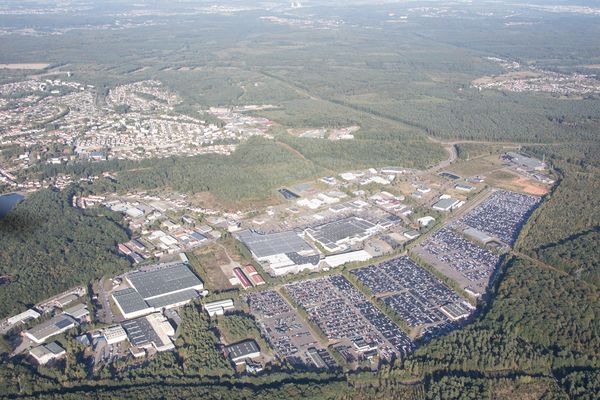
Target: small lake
(8, 202)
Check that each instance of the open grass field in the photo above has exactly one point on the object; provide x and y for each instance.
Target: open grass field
(26, 66)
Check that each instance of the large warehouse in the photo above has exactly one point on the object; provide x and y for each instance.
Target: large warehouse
(54, 326)
(339, 235)
(280, 253)
(165, 286)
(153, 330)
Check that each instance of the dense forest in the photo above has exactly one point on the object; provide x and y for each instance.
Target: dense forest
(564, 230)
(48, 246)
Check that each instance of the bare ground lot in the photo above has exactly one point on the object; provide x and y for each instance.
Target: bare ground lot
(506, 179)
(208, 262)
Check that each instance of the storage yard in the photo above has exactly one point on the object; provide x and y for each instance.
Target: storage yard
(469, 264)
(418, 298)
(285, 332)
(502, 215)
(344, 315)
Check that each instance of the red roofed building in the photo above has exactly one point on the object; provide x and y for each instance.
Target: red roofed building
(250, 270)
(257, 280)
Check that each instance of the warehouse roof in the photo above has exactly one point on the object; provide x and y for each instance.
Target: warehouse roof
(149, 330)
(50, 350)
(54, 348)
(78, 311)
(241, 350)
(301, 260)
(335, 231)
(129, 300)
(172, 298)
(265, 245)
(52, 327)
(445, 204)
(140, 332)
(164, 280)
(478, 235)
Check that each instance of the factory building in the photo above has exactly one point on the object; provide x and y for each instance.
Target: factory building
(238, 353)
(218, 307)
(114, 334)
(23, 317)
(352, 256)
(280, 253)
(528, 163)
(153, 330)
(46, 353)
(163, 287)
(446, 204)
(79, 312)
(52, 327)
(341, 234)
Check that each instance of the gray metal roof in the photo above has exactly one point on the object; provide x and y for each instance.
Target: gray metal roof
(445, 203)
(341, 229)
(54, 348)
(172, 298)
(477, 235)
(264, 245)
(242, 349)
(77, 311)
(140, 332)
(52, 327)
(165, 280)
(130, 300)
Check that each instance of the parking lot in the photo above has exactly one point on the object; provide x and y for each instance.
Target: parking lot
(419, 298)
(284, 330)
(502, 215)
(465, 262)
(344, 314)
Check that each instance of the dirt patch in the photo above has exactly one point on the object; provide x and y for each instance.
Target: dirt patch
(529, 187)
(208, 262)
(511, 181)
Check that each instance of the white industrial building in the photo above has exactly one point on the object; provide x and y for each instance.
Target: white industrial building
(446, 204)
(163, 287)
(153, 330)
(242, 351)
(280, 253)
(219, 307)
(46, 353)
(52, 327)
(114, 334)
(425, 221)
(341, 234)
(340, 259)
(23, 317)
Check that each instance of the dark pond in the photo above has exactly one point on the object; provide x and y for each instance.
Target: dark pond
(8, 202)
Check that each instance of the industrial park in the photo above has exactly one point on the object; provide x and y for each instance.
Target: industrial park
(399, 256)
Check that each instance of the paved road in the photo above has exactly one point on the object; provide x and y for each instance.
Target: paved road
(106, 315)
(452, 155)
